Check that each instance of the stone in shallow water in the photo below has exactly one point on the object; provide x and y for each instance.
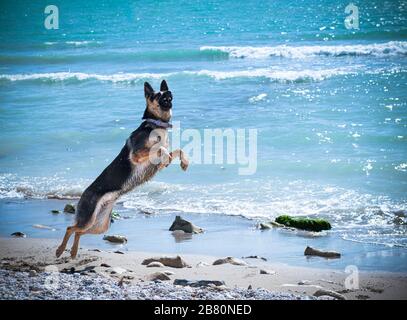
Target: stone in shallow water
(400, 214)
(325, 254)
(69, 208)
(18, 234)
(399, 220)
(184, 225)
(115, 238)
(302, 223)
(269, 225)
(41, 226)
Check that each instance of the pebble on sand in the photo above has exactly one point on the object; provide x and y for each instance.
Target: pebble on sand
(174, 262)
(155, 264)
(230, 260)
(202, 264)
(168, 272)
(105, 265)
(198, 283)
(324, 292)
(117, 270)
(255, 257)
(264, 271)
(158, 276)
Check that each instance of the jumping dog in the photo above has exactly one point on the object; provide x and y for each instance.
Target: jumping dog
(143, 155)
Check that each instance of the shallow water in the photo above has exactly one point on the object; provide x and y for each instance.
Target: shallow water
(329, 104)
(223, 236)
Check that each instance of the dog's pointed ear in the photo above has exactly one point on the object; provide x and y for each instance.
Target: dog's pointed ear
(163, 86)
(148, 90)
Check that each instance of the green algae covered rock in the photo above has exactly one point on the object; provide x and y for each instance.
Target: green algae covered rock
(302, 223)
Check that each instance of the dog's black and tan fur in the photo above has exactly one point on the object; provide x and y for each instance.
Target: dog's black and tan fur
(144, 153)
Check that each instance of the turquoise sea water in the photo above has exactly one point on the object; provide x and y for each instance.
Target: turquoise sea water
(329, 104)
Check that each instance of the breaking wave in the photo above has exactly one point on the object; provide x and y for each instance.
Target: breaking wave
(284, 76)
(392, 48)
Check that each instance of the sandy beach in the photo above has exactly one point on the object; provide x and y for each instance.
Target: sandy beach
(27, 265)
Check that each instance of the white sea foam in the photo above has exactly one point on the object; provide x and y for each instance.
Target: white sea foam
(73, 43)
(277, 75)
(266, 73)
(257, 98)
(392, 48)
(82, 43)
(401, 167)
(81, 76)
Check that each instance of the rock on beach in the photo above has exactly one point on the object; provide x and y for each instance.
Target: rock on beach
(174, 262)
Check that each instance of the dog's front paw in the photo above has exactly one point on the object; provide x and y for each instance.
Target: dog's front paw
(165, 158)
(184, 164)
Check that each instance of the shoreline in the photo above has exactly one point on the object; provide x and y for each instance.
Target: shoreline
(124, 271)
(239, 236)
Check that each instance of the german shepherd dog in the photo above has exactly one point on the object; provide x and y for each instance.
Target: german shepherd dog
(143, 155)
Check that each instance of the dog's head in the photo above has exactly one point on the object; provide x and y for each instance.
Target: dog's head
(158, 104)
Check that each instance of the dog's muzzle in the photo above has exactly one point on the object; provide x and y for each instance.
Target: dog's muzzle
(165, 101)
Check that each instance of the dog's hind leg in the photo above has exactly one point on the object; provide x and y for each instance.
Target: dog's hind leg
(69, 231)
(75, 246)
(100, 225)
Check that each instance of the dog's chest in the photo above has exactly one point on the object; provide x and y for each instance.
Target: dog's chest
(141, 173)
(144, 171)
